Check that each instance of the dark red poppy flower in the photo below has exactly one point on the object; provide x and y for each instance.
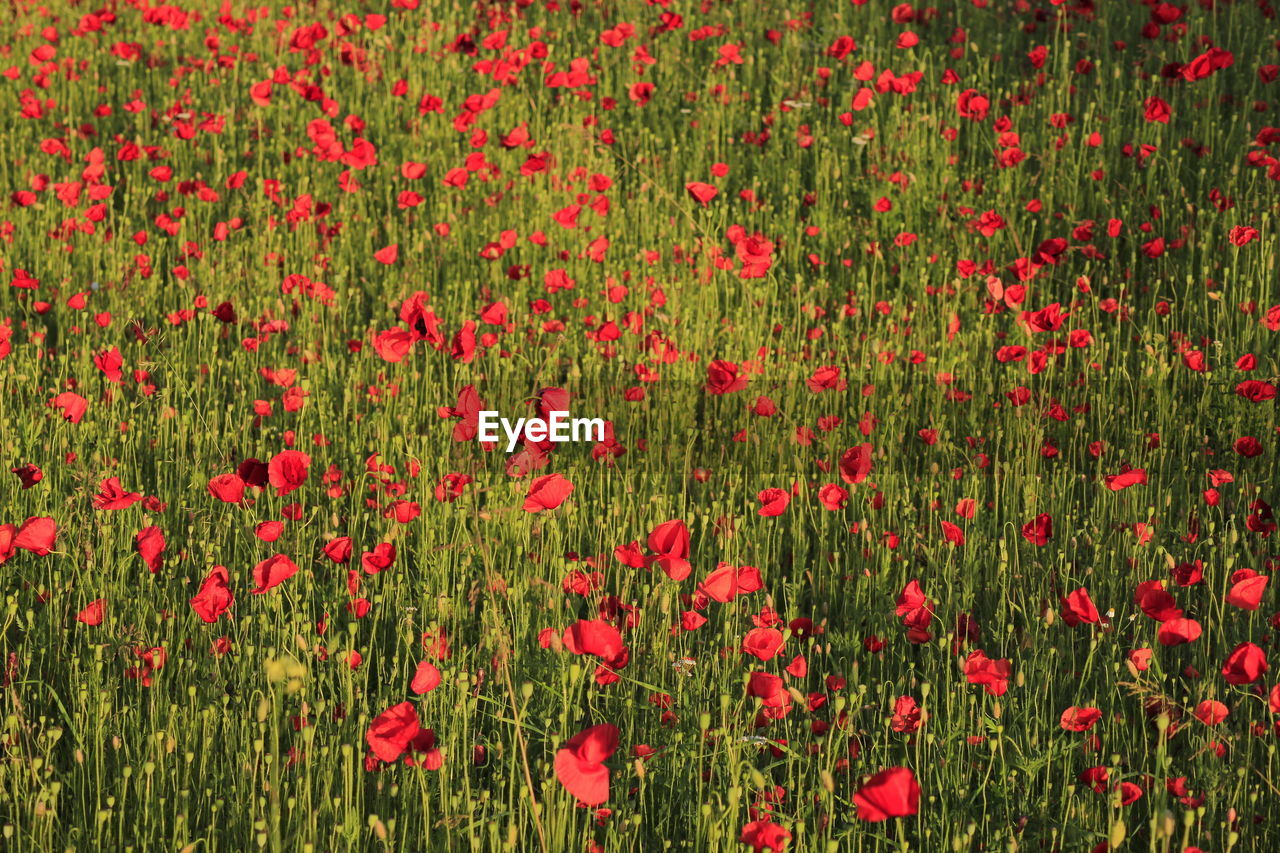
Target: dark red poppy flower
(29, 475)
(724, 377)
(1039, 530)
(1155, 601)
(1256, 390)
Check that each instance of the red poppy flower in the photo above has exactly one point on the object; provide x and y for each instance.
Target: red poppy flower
(833, 497)
(1076, 719)
(763, 643)
(952, 533)
(150, 545)
(393, 344)
(391, 732)
(379, 558)
(906, 715)
(72, 404)
(702, 193)
(1247, 446)
(214, 597)
(1256, 390)
(1156, 602)
(29, 475)
(1242, 235)
(764, 834)
(773, 501)
(691, 620)
(272, 572)
(1039, 530)
(723, 378)
(1245, 665)
(288, 470)
(269, 531)
(1156, 110)
(228, 488)
(1132, 477)
(37, 535)
(855, 463)
(1176, 632)
(594, 637)
(971, 105)
(579, 764)
(1095, 778)
(670, 537)
(1211, 712)
(93, 613)
(890, 793)
(1077, 607)
(547, 492)
(728, 581)
(425, 678)
(770, 689)
(1247, 587)
(338, 550)
(992, 674)
(111, 495)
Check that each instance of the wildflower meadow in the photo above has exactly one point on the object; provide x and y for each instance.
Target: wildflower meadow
(639, 425)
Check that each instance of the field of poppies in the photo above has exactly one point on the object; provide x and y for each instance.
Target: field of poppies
(936, 349)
